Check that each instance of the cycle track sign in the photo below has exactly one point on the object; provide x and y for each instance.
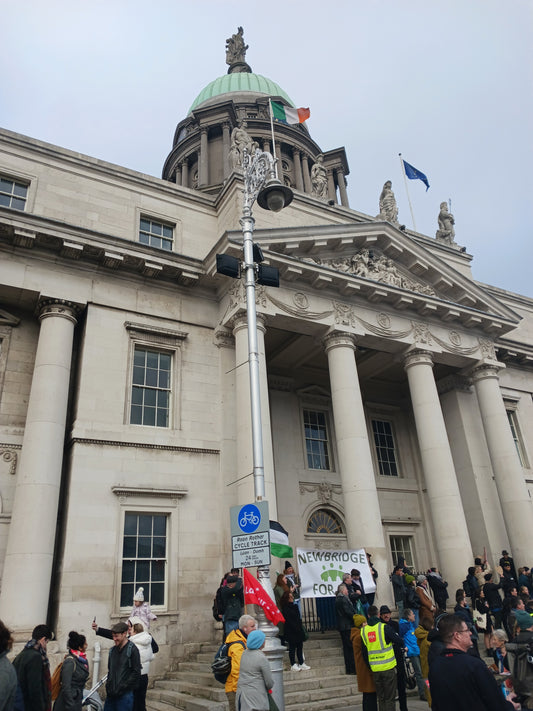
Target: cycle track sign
(250, 535)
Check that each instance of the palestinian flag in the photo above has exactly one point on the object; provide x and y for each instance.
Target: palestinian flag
(286, 114)
(279, 541)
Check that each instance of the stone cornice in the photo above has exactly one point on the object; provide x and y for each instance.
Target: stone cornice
(171, 495)
(141, 445)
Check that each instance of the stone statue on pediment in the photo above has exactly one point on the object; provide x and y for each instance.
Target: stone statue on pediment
(235, 47)
(388, 209)
(446, 231)
(319, 178)
(240, 141)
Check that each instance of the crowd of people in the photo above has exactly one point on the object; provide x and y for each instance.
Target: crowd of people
(27, 684)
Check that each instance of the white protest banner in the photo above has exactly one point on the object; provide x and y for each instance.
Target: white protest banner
(321, 571)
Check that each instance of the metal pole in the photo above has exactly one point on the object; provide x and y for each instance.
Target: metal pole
(407, 191)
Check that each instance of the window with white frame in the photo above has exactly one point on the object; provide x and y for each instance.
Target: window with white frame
(517, 436)
(402, 547)
(385, 447)
(13, 193)
(144, 557)
(151, 387)
(316, 439)
(156, 233)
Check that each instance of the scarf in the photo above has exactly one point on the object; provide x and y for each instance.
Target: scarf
(34, 644)
(81, 657)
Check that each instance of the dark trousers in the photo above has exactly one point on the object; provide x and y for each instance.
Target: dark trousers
(347, 650)
(385, 682)
(139, 695)
(119, 703)
(370, 701)
(296, 650)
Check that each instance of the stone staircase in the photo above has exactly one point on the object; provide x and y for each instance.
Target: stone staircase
(325, 686)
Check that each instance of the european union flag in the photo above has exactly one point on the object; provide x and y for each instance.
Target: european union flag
(414, 174)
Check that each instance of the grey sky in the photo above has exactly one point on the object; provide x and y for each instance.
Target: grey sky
(449, 83)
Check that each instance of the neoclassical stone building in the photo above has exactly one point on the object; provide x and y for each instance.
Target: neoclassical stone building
(396, 390)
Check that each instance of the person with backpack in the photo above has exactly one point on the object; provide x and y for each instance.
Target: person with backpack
(124, 671)
(236, 640)
(73, 675)
(33, 672)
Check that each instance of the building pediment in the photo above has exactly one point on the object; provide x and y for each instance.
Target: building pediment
(379, 263)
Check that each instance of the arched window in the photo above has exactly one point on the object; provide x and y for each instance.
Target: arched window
(324, 521)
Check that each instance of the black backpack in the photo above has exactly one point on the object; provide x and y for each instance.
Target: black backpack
(221, 665)
(218, 606)
(467, 588)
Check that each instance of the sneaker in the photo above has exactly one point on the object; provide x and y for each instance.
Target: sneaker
(296, 667)
(304, 667)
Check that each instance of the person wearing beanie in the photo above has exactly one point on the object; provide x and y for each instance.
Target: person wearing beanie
(293, 631)
(141, 609)
(33, 670)
(365, 679)
(236, 641)
(255, 676)
(143, 641)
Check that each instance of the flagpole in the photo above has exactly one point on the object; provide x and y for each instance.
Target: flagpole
(273, 139)
(407, 191)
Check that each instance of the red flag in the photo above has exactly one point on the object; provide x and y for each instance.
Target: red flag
(255, 594)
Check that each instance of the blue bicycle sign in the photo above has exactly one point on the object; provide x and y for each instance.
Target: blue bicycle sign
(249, 518)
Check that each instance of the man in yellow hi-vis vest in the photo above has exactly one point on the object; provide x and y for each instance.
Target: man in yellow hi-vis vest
(378, 653)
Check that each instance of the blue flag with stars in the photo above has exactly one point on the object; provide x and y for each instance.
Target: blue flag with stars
(414, 174)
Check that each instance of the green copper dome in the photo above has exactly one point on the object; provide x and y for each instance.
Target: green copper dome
(239, 82)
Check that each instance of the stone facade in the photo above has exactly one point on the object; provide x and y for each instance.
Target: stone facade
(371, 327)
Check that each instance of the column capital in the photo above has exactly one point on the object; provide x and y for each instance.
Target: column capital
(295, 151)
(224, 338)
(481, 371)
(339, 339)
(58, 307)
(240, 320)
(417, 357)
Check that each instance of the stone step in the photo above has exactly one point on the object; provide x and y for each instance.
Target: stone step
(203, 691)
(185, 702)
(333, 702)
(301, 681)
(312, 695)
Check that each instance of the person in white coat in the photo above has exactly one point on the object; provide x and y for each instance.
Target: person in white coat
(143, 641)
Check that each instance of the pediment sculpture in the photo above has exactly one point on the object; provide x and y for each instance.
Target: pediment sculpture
(379, 268)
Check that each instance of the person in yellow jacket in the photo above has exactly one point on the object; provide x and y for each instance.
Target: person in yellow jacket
(378, 653)
(247, 624)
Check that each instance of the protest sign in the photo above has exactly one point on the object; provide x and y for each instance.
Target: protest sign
(321, 571)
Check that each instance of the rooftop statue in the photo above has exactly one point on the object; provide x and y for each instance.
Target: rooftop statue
(240, 140)
(319, 178)
(235, 48)
(388, 210)
(446, 231)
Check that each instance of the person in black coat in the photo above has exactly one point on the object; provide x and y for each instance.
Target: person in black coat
(294, 631)
(493, 598)
(439, 587)
(33, 671)
(344, 611)
(74, 674)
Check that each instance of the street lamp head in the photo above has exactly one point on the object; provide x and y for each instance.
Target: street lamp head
(275, 196)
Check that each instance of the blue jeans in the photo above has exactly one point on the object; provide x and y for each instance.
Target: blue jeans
(230, 625)
(119, 703)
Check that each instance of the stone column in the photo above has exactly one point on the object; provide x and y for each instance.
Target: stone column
(203, 168)
(341, 181)
(244, 416)
(266, 145)
(226, 145)
(361, 504)
(449, 523)
(28, 564)
(306, 175)
(178, 174)
(297, 169)
(185, 173)
(512, 491)
(332, 193)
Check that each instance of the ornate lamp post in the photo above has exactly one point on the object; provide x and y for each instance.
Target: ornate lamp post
(262, 184)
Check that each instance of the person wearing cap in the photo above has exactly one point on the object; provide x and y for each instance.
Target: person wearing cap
(142, 609)
(33, 671)
(425, 596)
(237, 644)
(123, 670)
(385, 616)
(255, 676)
(506, 558)
(232, 596)
(365, 679)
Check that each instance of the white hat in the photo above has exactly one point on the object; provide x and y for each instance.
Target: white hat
(136, 621)
(139, 595)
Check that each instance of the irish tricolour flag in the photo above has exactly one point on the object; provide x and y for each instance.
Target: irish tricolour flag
(289, 115)
(279, 541)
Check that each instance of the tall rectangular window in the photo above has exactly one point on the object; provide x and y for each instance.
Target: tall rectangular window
(13, 193)
(144, 557)
(517, 437)
(151, 388)
(156, 234)
(316, 439)
(401, 547)
(385, 448)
